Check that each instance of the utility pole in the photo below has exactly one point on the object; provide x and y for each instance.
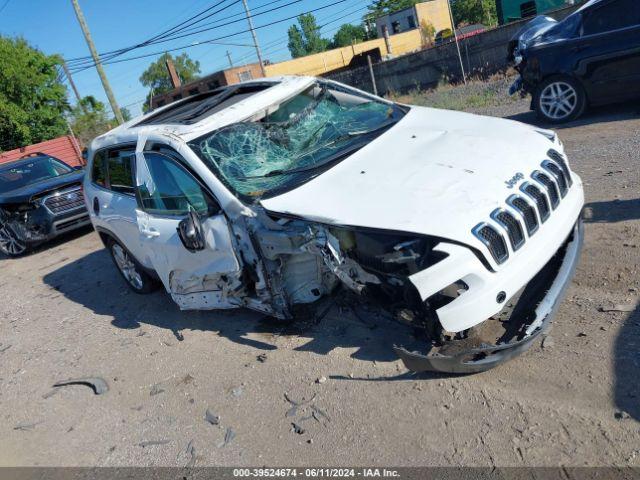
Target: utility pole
(173, 74)
(229, 57)
(455, 36)
(71, 82)
(96, 59)
(255, 37)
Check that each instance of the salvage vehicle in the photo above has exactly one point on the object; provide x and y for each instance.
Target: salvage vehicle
(592, 57)
(40, 199)
(281, 194)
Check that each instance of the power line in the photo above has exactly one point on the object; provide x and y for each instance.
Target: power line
(175, 29)
(185, 32)
(213, 40)
(4, 5)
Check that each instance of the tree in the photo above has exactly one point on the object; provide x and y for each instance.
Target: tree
(156, 76)
(306, 39)
(89, 119)
(467, 12)
(296, 42)
(428, 32)
(348, 34)
(383, 7)
(32, 99)
(126, 115)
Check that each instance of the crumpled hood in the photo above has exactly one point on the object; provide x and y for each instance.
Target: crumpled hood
(26, 193)
(436, 172)
(534, 29)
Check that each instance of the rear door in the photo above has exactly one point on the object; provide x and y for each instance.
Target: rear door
(167, 191)
(113, 202)
(609, 51)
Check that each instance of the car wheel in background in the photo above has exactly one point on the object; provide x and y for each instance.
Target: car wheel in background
(137, 279)
(10, 242)
(559, 99)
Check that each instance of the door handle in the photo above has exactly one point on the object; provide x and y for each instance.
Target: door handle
(150, 232)
(96, 206)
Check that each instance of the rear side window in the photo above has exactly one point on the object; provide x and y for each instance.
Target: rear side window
(98, 170)
(120, 165)
(612, 16)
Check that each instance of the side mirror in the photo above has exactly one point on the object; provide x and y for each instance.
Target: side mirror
(190, 232)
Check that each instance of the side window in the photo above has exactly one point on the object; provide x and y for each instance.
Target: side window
(119, 165)
(612, 16)
(98, 170)
(165, 187)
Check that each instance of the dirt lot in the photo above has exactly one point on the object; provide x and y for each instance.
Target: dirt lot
(574, 401)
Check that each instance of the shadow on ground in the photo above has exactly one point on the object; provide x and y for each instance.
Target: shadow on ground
(612, 211)
(609, 113)
(92, 281)
(627, 366)
(56, 242)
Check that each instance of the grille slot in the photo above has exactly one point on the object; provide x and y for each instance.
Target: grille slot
(512, 225)
(550, 186)
(544, 210)
(559, 176)
(65, 201)
(559, 159)
(527, 212)
(493, 240)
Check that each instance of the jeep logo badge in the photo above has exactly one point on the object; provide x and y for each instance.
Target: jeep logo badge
(513, 181)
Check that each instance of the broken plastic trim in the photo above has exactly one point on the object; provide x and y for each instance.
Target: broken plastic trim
(489, 356)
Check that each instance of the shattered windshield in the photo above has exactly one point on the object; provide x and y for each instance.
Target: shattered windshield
(21, 174)
(295, 140)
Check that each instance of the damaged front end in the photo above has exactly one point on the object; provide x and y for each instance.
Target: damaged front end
(306, 262)
(22, 226)
(512, 331)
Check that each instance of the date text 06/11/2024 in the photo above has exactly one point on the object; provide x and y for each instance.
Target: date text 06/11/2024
(314, 472)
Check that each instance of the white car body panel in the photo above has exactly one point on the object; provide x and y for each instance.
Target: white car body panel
(436, 172)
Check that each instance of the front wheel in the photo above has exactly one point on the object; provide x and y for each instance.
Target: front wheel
(137, 279)
(559, 99)
(10, 242)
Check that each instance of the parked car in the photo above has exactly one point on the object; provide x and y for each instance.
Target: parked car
(40, 198)
(592, 57)
(278, 195)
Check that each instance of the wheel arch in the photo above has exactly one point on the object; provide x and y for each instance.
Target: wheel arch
(107, 235)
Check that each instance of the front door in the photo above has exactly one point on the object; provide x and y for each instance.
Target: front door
(609, 51)
(208, 277)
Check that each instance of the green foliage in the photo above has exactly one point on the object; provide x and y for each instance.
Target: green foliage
(305, 39)
(157, 77)
(428, 32)
(32, 99)
(296, 42)
(348, 34)
(467, 12)
(126, 115)
(89, 119)
(383, 7)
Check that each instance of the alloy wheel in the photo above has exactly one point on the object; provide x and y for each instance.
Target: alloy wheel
(10, 244)
(558, 100)
(127, 266)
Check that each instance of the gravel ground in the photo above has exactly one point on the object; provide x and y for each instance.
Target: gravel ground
(573, 401)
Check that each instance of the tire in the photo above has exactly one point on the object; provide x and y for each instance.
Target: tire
(11, 244)
(559, 99)
(131, 271)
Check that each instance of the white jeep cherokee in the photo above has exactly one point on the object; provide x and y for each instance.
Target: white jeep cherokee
(281, 193)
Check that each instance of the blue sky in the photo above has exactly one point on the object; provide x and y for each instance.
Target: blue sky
(51, 26)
